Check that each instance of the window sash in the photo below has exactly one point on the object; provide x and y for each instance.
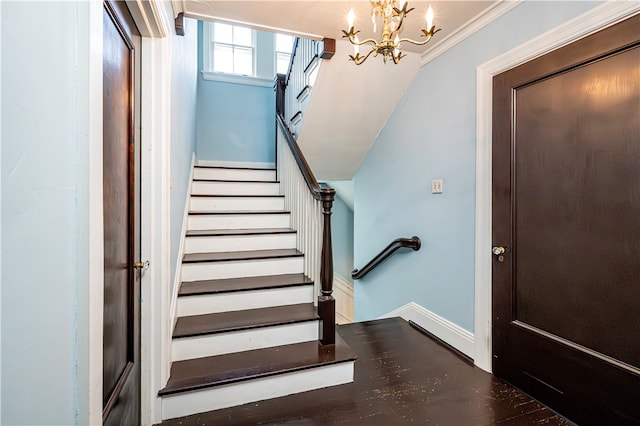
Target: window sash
(231, 49)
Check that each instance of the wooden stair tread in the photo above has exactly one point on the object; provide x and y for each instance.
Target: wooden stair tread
(233, 168)
(240, 255)
(225, 232)
(234, 180)
(236, 196)
(198, 325)
(239, 212)
(219, 370)
(226, 285)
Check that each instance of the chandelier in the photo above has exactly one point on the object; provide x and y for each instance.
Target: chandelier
(393, 13)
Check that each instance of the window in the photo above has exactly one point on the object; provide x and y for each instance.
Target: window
(232, 49)
(284, 45)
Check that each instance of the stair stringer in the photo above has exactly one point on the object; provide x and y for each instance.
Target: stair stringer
(177, 280)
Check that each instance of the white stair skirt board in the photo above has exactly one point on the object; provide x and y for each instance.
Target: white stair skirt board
(234, 174)
(243, 340)
(239, 393)
(241, 300)
(241, 268)
(222, 243)
(235, 188)
(343, 294)
(443, 329)
(199, 204)
(198, 222)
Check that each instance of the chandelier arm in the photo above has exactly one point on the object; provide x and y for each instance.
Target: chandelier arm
(418, 43)
(396, 59)
(427, 34)
(402, 13)
(360, 59)
(360, 43)
(351, 34)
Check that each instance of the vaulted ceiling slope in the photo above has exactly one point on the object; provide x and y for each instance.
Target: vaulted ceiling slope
(349, 104)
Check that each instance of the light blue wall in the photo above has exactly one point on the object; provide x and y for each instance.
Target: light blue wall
(45, 165)
(342, 238)
(184, 71)
(431, 134)
(236, 122)
(45, 203)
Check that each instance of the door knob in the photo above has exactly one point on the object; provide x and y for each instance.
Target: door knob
(141, 265)
(498, 250)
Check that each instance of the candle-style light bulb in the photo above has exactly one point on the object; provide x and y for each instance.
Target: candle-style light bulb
(429, 18)
(356, 48)
(351, 17)
(402, 2)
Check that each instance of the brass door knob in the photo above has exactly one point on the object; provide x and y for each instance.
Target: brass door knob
(498, 250)
(141, 265)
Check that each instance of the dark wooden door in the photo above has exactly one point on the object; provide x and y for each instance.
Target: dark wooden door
(121, 171)
(566, 208)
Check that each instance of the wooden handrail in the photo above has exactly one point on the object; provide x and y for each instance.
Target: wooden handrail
(413, 243)
(318, 192)
(293, 55)
(326, 302)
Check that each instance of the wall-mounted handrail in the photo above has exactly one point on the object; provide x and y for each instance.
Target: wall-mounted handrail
(412, 243)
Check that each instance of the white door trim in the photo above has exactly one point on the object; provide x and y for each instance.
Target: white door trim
(594, 20)
(155, 357)
(95, 213)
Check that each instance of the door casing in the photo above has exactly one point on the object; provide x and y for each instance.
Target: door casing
(155, 25)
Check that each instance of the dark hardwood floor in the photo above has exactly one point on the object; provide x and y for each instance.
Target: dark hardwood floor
(402, 376)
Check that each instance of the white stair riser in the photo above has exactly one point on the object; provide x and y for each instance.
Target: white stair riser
(224, 243)
(248, 391)
(243, 340)
(233, 174)
(235, 188)
(241, 300)
(199, 204)
(237, 221)
(241, 268)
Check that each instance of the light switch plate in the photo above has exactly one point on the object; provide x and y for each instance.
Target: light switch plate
(437, 186)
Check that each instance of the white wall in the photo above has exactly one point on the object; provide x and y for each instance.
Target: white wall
(46, 148)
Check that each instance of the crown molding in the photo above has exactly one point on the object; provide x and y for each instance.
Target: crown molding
(476, 23)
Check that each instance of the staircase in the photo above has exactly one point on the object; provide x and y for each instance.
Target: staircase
(247, 328)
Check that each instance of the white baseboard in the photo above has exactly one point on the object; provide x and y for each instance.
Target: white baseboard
(448, 332)
(238, 164)
(177, 279)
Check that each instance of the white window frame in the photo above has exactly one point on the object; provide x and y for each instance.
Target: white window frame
(207, 57)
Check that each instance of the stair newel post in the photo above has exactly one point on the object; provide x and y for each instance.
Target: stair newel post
(326, 302)
(279, 88)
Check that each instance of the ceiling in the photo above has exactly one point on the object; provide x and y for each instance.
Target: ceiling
(317, 19)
